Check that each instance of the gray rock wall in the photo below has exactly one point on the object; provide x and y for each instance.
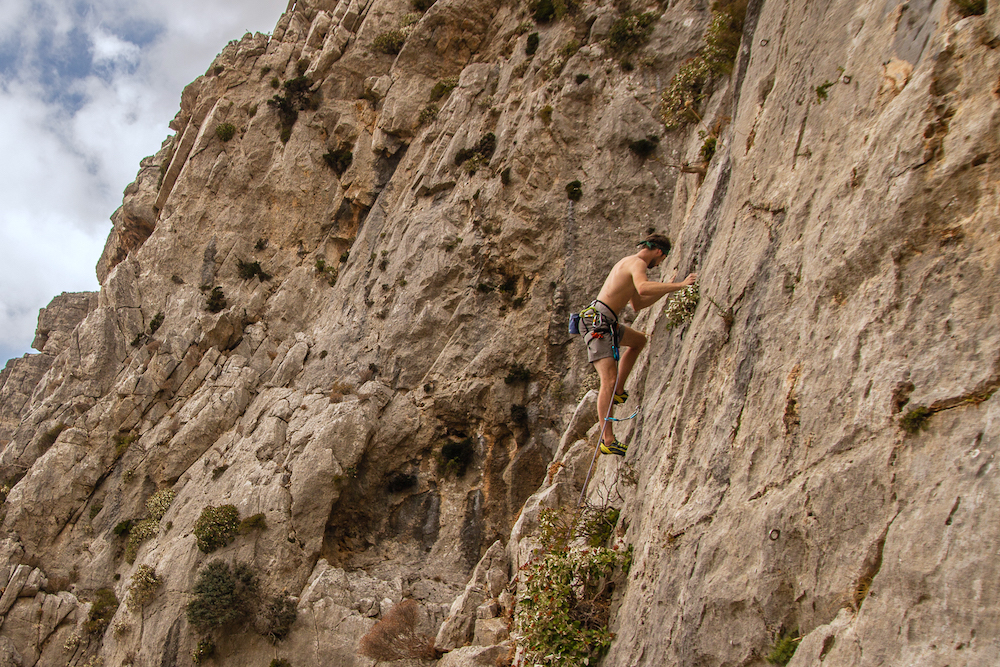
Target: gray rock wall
(391, 385)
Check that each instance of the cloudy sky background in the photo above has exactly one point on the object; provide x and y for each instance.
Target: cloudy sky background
(87, 88)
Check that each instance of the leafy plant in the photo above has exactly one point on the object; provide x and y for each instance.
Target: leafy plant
(143, 587)
(630, 32)
(561, 616)
(102, 610)
(277, 618)
(328, 271)
(644, 147)
(216, 527)
(723, 35)
(681, 307)
(687, 89)
(480, 154)
(139, 533)
(222, 595)
(225, 131)
(155, 323)
(822, 91)
(297, 97)
(428, 114)
(456, 456)
(251, 270)
(531, 46)
(708, 148)
(203, 651)
(597, 525)
(390, 42)
(783, 649)
(443, 87)
(158, 503)
(339, 160)
(252, 523)
(915, 420)
(216, 300)
(395, 637)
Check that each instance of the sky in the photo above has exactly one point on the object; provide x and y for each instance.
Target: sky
(87, 88)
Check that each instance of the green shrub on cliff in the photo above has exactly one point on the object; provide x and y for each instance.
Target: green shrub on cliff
(216, 527)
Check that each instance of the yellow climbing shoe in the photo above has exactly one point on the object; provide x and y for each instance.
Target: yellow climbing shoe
(616, 448)
(621, 398)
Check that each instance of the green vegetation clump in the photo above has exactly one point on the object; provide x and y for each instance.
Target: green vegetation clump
(298, 97)
(203, 651)
(574, 190)
(222, 595)
(339, 160)
(390, 42)
(708, 148)
(545, 113)
(970, 7)
(644, 147)
(216, 300)
(681, 307)
(251, 270)
(428, 114)
(155, 323)
(158, 503)
(280, 662)
(561, 616)
(216, 527)
(276, 619)
(480, 154)
(225, 131)
(252, 523)
(123, 441)
(328, 271)
(681, 99)
(783, 649)
(531, 46)
(456, 456)
(544, 11)
(630, 32)
(915, 420)
(139, 533)
(517, 373)
(443, 87)
(143, 587)
(597, 525)
(102, 610)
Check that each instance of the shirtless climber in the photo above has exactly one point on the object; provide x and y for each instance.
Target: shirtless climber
(627, 283)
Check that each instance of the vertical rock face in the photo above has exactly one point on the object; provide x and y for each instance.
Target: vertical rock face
(335, 300)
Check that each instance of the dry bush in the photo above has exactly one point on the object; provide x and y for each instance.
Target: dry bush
(395, 637)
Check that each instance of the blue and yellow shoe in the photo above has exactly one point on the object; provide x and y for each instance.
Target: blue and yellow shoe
(616, 448)
(621, 398)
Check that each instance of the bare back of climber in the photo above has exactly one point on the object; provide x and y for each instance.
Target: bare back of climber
(604, 335)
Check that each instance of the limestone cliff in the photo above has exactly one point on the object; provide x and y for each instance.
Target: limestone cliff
(336, 300)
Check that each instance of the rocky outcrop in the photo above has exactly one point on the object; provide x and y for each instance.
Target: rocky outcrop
(335, 301)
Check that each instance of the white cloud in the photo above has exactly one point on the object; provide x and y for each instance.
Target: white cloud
(86, 92)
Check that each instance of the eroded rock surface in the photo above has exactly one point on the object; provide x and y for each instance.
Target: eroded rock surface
(347, 321)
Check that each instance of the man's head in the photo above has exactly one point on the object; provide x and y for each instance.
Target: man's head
(655, 242)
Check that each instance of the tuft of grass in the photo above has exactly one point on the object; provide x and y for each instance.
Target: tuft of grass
(339, 160)
(783, 649)
(222, 595)
(225, 131)
(252, 523)
(630, 32)
(915, 420)
(390, 42)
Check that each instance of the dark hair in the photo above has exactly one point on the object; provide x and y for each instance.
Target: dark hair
(656, 242)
